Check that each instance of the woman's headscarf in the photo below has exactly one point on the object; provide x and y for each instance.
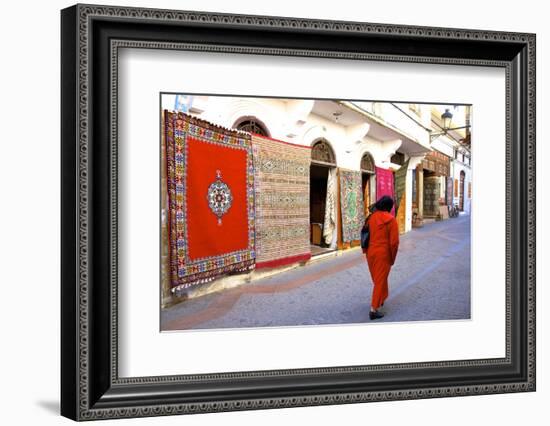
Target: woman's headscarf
(385, 204)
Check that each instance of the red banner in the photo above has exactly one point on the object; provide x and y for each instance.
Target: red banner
(384, 185)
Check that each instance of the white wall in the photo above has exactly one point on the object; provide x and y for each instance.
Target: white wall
(458, 167)
(29, 165)
(295, 122)
(395, 114)
(443, 145)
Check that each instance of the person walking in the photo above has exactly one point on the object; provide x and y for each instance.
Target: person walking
(381, 252)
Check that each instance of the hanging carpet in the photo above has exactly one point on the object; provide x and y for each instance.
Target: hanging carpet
(400, 183)
(351, 203)
(211, 200)
(282, 202)
(330, 207)
(384, 185)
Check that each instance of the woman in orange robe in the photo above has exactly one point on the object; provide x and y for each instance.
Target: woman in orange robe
(381, 252)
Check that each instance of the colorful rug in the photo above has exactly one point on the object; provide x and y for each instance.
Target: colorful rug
(211, 200)
(282, 202)
(351, 203)
(384, 185)
(400, 184)
(330, 207)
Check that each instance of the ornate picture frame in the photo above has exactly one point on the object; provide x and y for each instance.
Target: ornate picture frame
(91, 37)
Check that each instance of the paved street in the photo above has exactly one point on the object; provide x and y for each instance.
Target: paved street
(430, 281)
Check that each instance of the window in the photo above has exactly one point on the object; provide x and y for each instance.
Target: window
(398, 158)
(415, 108)
(377, 109)
(367, 163)
(252, 126)
(322, 153)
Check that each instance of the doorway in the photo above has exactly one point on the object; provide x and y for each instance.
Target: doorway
(368, 181)
(461, 192)
(432, 191)
(317, 204)
(367, 185)
(322, 169)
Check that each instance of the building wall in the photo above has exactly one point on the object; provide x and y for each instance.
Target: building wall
(294, 121)
(394, 115)
(457, 167)
(444, 145)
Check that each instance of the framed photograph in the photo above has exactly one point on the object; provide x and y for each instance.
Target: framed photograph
(263, 212)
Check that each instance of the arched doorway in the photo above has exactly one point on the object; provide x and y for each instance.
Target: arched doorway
(322, 195)
(367, 177)
(251, 125)
(461, 191)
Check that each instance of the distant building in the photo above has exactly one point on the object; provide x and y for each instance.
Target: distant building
(445, 173)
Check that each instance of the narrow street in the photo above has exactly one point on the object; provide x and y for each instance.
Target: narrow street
(430, 281)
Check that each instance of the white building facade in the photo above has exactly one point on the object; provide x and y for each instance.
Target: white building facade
(359, 136)
(455, 144)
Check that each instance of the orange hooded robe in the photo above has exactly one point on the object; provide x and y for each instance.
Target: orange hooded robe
(381, 253)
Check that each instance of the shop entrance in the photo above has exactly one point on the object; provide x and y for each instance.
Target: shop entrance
(322, 196)
(368, 181)
(318, 181)
(461, 192)
(367, 185)
(432, 191)
(435, 189)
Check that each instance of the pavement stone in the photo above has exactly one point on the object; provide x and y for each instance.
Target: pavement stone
(429, 281)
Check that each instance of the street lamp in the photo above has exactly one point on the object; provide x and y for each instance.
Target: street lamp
(447, 118)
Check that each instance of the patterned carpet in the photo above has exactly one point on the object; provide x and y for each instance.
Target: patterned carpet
(351, 202)
(282, 201)
(211, 200)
